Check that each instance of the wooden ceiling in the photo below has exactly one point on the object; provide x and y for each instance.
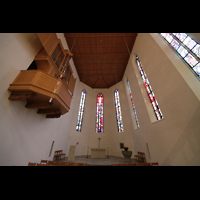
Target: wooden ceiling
(100, 58)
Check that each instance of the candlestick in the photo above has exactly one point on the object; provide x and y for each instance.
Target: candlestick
(107, 153)
(99, 142)
(87, 151)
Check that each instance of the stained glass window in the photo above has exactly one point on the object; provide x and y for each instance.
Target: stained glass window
(132, 102)
(189, 42)
(182, 51)
(187, 47)
(169, 38)
(118, 112)
(99, 114)
(80, 112)
(196, 50)
(190, 60)
(197, 69)
(175, 44)
(181, 36)
(164, 34)
(149, 90)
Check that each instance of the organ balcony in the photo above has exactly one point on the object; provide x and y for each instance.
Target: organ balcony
(48, 88)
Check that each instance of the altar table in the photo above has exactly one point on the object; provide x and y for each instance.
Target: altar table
(98, 153)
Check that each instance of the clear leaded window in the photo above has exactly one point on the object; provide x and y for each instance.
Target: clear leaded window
(187, 48)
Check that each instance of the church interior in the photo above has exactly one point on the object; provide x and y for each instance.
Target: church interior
(87, 95)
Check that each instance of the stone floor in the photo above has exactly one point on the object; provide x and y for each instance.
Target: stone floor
(102, 161)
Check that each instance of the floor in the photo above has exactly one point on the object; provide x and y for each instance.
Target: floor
(102, 161)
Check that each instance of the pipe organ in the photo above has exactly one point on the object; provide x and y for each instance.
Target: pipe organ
(50, 87)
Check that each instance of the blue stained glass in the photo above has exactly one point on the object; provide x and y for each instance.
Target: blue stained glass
(175, 44)
(181, 36)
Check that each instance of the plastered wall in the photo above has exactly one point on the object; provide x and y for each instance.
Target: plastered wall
(110, 137)
(175, 139)
(26, 136)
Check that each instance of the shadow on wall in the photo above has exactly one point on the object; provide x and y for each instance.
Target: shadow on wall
(31, 38)
(185, 148)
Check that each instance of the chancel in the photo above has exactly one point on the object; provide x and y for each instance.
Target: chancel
(130, 99)
(98, 152)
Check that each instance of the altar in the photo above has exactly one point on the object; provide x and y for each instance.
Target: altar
(98, 153)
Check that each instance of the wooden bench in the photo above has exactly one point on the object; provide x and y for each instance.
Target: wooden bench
(154, 164)
(122, 164)
(140, 156)
(131, 164)
(31, 164)
(82, 164)
(38, 164)
(58, 155)
(74, 164)
(44, 162)
(147, 164)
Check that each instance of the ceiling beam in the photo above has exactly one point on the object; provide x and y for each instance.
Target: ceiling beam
(79, 65)
(105, 82)
(100, 45)
(89, 35)
(100, 74)
(101, 54)
(98, 67)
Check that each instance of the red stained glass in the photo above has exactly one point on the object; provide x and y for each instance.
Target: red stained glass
(99, 114)
(150, 93)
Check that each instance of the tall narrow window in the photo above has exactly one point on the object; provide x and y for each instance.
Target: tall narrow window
(149, 90)
(99, 114)
(187, 48)
(118, 112)
(132, 102)
(80, 112)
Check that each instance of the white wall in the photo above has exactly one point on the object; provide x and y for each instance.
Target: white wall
(110, 137)
(25, 136)
(175, 139)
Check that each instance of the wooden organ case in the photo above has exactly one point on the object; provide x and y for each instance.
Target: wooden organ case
(49, 88)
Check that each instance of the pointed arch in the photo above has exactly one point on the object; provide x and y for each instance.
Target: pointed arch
(80, 112)
(99, 113)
